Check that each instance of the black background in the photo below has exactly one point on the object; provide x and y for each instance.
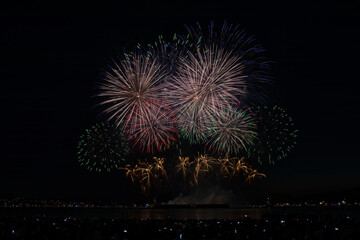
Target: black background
(51, 56)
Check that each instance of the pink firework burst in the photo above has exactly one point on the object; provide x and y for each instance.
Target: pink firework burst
(153, 129)
(205, 83)
(129, 86)
(222, 69)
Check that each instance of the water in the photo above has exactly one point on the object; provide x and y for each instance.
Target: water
(178, 213)
(182, 213)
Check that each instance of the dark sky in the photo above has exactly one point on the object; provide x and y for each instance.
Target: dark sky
(51, 56)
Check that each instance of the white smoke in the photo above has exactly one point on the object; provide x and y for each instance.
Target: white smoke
(212, 195)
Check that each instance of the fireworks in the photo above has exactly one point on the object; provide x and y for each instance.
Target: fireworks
(232, 60)
(199, 90)
(206, 81)
(190, 83)
(226, 166)
(196, 89)
(156, 127)
(131, 91)
(253, 175)
(220, 72)
(147, 175)
(235, 168)
(129, 88)
(130, 172)
(276, 135)
(153, 177)
(102, 148)
(184, 166)
(229, 131)
(168, 52)
(192, 127)
(203, 165)
(159, 169)
(239, 167)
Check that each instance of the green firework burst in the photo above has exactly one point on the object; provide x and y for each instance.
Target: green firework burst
(102, 148)
(230, 131)
(276, 135)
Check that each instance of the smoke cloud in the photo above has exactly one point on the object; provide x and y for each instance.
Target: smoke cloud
(211, 195)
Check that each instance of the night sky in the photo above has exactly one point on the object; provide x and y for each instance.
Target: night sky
(52, 55)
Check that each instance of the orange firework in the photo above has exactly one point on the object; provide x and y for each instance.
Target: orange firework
(159, 169)
(226, 165)
(130, 172)
(183, 166)
(254, 174)
(145, 171)
(240, 167)
(153, 177)
(147, 175)
(203, 165)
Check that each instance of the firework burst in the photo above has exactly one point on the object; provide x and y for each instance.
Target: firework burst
(230, 131)
(192, 126)
(153, 127)
(276, 135)
(203, 85)
(237, 52)
(129, 87)
(167, 51)
(220, 71)
(102, 148)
